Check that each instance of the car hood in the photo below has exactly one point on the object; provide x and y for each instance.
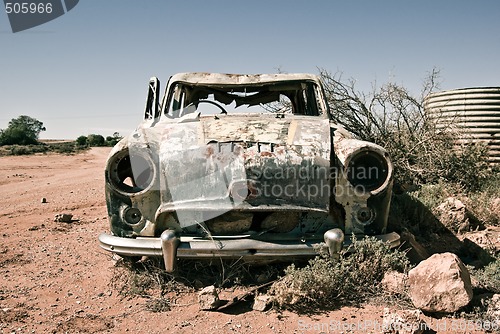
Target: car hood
(225, 162)
(307, 131)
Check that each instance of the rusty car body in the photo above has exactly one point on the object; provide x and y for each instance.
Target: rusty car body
(243, 166)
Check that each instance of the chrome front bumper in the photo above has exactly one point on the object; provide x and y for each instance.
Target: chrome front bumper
(171, 247)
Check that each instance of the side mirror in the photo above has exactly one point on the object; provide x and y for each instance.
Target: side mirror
(153, 102)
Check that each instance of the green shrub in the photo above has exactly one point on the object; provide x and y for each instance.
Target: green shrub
(81, 140)
(95, 140)
(23, 130)
(481, 202)
(20, 150)
(324, 283)
(27, 149)
(489, 276)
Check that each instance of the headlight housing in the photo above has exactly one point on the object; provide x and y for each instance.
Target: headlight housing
(368, 169)
(130, 174)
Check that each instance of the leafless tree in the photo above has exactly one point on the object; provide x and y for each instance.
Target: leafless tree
(394, 118)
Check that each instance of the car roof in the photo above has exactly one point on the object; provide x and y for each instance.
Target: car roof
(240, 79)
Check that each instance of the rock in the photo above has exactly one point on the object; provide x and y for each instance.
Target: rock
(488, 239)
(394, 282)
(43, 200)
(208, 298)
(403, 322)
(477, 255)
(262, 303)
(63, 218)
(493, 309)
(440, 284)
(453, 214)
(489, 303)
(198, 284)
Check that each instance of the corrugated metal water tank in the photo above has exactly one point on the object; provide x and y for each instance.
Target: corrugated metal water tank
(475, 112)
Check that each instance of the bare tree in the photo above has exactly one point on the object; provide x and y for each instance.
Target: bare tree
(392, 117)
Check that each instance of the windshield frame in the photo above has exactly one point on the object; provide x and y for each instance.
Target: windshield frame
(313, 104)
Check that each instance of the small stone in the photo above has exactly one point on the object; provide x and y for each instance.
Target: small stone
(262, 303)
(453, 214)
(43, 200)
(198, 284)
(63, 218)
(403, 322)
(208, 298)
(494, 306)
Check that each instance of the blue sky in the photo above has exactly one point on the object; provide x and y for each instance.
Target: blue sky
(87, 71)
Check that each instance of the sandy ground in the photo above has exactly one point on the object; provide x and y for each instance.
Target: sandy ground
(54, 277)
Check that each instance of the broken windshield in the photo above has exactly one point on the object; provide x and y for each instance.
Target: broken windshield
(284, 97)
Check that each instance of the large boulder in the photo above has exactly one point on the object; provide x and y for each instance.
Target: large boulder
(440, 284)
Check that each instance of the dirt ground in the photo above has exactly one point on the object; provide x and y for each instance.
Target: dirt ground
(54, 277)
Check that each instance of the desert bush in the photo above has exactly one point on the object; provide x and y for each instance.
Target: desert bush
(81, 140)
(489, 276)
(485, 203)
(20, 150)
(27, 149)
(392, 117)
(158, 305)
(113, 140)
(96, 140)
(325, 283)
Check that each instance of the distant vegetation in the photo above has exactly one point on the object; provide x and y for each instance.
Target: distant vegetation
(23, 130)
(21, 137)
(93, 140)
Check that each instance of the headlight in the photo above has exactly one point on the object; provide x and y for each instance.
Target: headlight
(130, 174)
(131, 216)
(368, 170)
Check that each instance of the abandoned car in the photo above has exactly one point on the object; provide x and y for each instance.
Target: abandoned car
(243, 166)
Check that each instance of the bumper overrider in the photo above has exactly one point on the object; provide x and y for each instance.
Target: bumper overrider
(170, 246)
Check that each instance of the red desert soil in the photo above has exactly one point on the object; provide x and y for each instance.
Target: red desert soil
(54, 278)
